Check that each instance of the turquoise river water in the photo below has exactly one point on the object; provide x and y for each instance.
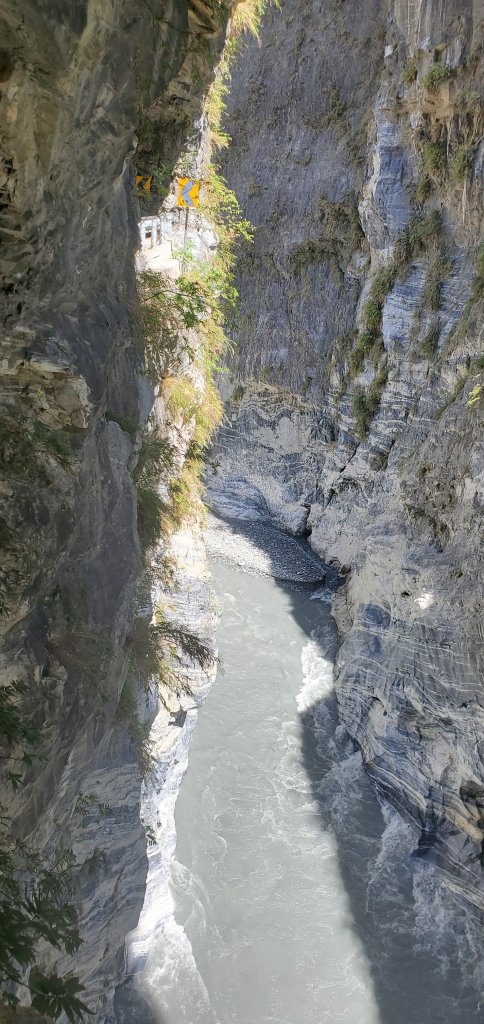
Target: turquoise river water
(297, 900)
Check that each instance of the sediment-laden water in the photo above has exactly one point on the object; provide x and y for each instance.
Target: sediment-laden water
(296, 898)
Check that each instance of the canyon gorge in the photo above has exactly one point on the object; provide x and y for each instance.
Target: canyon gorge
(340, 152)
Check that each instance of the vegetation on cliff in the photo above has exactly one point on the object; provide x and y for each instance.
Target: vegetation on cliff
(39, 891)
(182, 328)
(36, 902)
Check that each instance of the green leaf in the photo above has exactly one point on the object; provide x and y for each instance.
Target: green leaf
(54, 996)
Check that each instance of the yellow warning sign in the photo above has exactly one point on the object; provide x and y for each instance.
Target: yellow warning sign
(143, 181)
(188, 191)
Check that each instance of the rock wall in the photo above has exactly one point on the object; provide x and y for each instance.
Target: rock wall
(355, 407)
(82, 87)
(359, 426)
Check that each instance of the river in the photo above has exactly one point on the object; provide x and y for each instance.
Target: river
(296, 898)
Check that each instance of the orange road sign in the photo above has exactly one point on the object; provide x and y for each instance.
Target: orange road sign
(188, 191)
(143, 181)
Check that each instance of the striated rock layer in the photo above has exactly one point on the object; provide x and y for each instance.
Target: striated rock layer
(82, 86)
(355, 406)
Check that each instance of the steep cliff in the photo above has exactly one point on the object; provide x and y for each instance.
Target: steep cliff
(355, 407)
(84, 87)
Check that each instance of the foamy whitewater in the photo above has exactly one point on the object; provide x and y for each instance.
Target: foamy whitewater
(293, 896)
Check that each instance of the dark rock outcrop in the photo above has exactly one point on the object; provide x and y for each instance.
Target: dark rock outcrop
(84, 88)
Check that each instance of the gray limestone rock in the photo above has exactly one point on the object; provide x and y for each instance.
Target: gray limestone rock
(74, 79)
(377, 457)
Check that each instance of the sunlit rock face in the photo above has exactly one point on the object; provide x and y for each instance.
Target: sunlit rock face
(339, 145)
(74, 78)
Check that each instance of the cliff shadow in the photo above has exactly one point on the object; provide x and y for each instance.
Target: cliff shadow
(132, 1006)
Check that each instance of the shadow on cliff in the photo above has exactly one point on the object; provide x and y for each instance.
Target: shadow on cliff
(132, 1007)
(373, 856)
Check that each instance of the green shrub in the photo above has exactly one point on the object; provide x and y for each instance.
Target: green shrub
(431, 294)
(461, 162)
(438, 272)
(309, 252)
(342, 228)
(166, 311)
(365, 402)
(365, 341)
(155, 460)
(410, 71)
(183, 643)
(436, 75)
(343, 234)
(414, 510)
(337, 106)
(434, 158)
(152, 514)
(246, 18)
(423, 233)
(155, 457)
(127, 715)
(423, 188)
(379, 383)
(430, 342)
(14, 731)
(148, 166)
(54, 996)
(35, 899)
(152, 646)
(238, 393)
(143, 649)
(27, 446)
(369, 342)
(377, 351)
(181, 396)
(160, 571)
(363, 411)
(367, 346)
(359, 405)
(383, 282)
(372, 311)
(356, 360)
(185, 495)
(403, 250)
(199, 301)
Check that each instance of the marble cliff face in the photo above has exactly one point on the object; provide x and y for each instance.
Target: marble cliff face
(354, 404)
(354, 410)
(83, 87)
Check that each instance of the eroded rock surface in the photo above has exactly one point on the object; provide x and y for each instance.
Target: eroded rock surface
(355, 404)
(83, 86)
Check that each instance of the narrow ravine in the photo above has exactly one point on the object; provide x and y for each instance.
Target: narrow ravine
(296, 897)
